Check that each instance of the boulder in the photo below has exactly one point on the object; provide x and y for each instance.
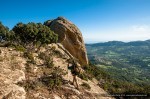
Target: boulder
(70, 37)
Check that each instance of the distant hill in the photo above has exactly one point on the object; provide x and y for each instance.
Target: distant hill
(120, 43)
(126, 63)
(122, 59)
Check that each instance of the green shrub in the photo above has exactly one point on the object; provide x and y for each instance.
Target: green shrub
(4, 31)
(49, 62)
(20, 48)
(29, 55)
(57, 52)
(47, 59)
(83, 76)
(86, 85)
(5, 34)
(28, 85)
(28, 68)
(95, 71)
(42, 55)
(34, 33)
(54, 80)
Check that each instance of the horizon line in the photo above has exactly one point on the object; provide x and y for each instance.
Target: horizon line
(94, 42)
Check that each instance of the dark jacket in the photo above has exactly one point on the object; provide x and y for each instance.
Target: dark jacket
(74, 69)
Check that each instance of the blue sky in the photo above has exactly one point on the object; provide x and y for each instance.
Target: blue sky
(98, 20)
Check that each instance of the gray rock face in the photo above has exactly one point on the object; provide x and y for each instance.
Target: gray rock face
(70, 37)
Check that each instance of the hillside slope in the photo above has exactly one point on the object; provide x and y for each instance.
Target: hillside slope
(42, 74)
(124, 62)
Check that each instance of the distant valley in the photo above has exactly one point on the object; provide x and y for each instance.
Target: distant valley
(123, 61)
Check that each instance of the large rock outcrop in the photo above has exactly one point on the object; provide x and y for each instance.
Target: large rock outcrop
(70, 37)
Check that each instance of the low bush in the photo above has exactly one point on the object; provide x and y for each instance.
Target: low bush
(28, 85)
(20, 48)
(83, 76)
(86, 85)
(54, 80)
(48, 61)
(29, 55)
(114, 86)
(34, 33)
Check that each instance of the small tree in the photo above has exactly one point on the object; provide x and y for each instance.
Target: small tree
(33, 33)
(6, 35)
(4, 31)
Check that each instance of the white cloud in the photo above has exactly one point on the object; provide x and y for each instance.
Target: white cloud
(126, 33)
(141, 29)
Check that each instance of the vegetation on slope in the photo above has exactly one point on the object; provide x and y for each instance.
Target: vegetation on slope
(116, 87)
(30, 34)
(43, 76)
(126, 65)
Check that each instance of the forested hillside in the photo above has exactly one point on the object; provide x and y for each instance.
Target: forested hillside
(123, 62)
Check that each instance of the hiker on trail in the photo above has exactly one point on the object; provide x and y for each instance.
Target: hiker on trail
(75, 71)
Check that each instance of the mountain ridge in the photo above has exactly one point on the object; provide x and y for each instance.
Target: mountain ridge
(121, 43)
(124, 62)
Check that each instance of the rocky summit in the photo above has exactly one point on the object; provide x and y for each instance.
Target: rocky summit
(33, 65)
(70, 37)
